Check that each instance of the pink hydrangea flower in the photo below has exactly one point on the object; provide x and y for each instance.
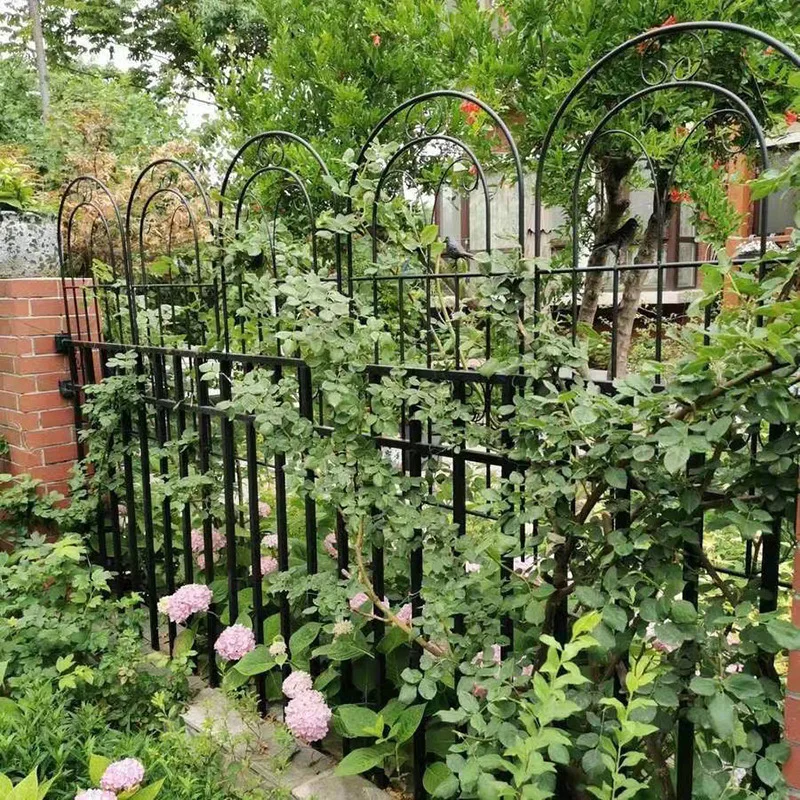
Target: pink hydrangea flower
(270, 540)
(186, 601)
(471, 567)
(527, 670)
(95, 794)
(405, 614)
(358, 600)
(497, 656)
(268, 565)
(296, 683)
(264, 508)
(329, 545)
(524, 566)
(479, 691)
(122, 775)
(235, 642)
(732, 669)
(198, 545)
(307, 716)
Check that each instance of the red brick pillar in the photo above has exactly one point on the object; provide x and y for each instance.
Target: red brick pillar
(792, 709)
(35, 420)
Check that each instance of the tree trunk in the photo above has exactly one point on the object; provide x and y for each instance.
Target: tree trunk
(41, 64)
(615, 170)
(632, 283)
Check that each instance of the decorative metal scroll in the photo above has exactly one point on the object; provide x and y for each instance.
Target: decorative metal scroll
(721, 119)
(174, 283)
(418, 276)
(93, 256)
(271, 197)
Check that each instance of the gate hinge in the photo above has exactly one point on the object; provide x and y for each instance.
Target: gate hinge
(63, 341)
(66, 389)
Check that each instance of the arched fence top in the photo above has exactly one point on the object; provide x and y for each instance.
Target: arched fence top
(681, 74)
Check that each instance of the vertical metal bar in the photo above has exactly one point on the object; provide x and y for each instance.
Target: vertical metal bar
(255, 552)
(283, 539)
(307, 410)
(612, 369)
(342, 565)
(684, 754)
(163, 436)
(229, 477)
(507, 559)
(130, 499)
(147, 513)
(459, 487)
(204, 433)
(183, 466)
(415, 471)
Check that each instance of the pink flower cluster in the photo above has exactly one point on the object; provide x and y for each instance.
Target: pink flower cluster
(270, 541)
(122, 775)
(95, 794)
(308, 716)
(198, 545)
(296, 683)
(235, 642)
(269, 564)
(264, 508)
(186, 601)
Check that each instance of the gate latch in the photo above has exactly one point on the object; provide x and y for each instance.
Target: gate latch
(66, 389)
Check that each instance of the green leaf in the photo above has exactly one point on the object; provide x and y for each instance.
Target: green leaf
(676, 458)
(768, 771)
(359, 761)
(255, 662)
(428, 235)
(5, 786)
(427, 689)
(357, 720)
(683, 612)
(9, 709)
(183, 643)
(439, 780)
(615, 617)
(723, 715)
(149, 792)
(304, 637)
(26, 789)
(97, 766)
(407, 723)
(644, 452)
(703, 686)
(616, 477)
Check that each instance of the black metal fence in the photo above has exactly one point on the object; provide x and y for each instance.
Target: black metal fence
(164, 281)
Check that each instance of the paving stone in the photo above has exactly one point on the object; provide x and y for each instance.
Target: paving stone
(269, 757)
(328, 786)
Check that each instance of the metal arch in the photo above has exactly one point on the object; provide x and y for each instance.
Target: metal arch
(292, 179)
(182, 199)
(421, 142)
(257, 141)
(456, 95)
(672, 30)
(70, 190)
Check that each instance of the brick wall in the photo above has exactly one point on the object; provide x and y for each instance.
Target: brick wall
(37, 423)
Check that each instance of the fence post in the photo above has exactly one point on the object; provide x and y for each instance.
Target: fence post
(36, 421)
(792, 708)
